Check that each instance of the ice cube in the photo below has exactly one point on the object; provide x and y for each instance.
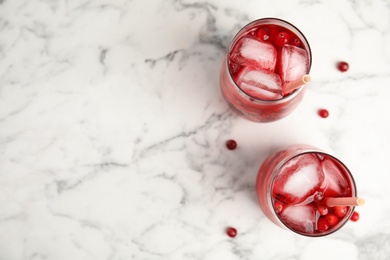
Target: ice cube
(260, 83)
(251, 52)
(293, 63)
(299, 179)
(337, 185)
(301, 218)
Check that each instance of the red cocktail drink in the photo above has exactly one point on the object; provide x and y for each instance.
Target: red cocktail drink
(295, 187)
(264, 57)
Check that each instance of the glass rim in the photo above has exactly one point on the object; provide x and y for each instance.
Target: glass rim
(351, 181)
(287, 97)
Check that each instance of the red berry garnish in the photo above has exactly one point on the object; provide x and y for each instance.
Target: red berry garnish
(343, 66)
(278, 207)
(262, 34)
(323, 210)
(282, 38)
(323, 113)
(234, 67)
(322, 224)
(332, 219)
(318, 196)
(231, 232)
(340, 211)
(355, 216)
(273, 31)
(296, 42)
(231, 144)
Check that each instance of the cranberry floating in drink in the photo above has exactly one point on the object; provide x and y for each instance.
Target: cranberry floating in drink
(307, 190)
(265, 70)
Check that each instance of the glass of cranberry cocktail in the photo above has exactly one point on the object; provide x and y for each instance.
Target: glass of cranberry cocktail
(265, 56)
(297, 187)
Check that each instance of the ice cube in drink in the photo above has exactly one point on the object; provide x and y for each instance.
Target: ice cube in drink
(301, 217)
(293, 63)
(300, 178)
(260, 83)
(337, 186)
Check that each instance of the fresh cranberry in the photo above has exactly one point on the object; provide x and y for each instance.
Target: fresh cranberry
(323, 210)
(323, 113)
(262, 34)
(355, 216)
(234, 67)
(296, 42)
(332, 219)
(343, 66)
(340, 211)
(318, 196)
(231, 144)
(282, 197)
(278, 207)
(322, 224)
(231, 232)
(282, 38)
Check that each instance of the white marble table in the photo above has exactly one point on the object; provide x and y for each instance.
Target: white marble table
(113, 129)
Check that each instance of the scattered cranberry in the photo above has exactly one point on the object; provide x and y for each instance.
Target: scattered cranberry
(355, 216)
(323, 210)
(322, 224)
(323, 113)
(231, 232)
(340, 211)
(343, 66)
(262, 34)
(278, 207)
(231, 144)
(332, 219)
(282, 38)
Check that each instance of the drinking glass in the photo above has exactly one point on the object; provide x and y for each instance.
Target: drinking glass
(297, 187)
(265, 56)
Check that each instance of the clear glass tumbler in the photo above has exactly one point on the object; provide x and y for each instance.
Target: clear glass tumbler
(263, 58)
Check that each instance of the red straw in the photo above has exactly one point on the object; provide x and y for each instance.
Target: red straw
(346, 201)
(293, 85)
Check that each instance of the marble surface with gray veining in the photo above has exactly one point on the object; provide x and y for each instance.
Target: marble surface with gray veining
(113, 129)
